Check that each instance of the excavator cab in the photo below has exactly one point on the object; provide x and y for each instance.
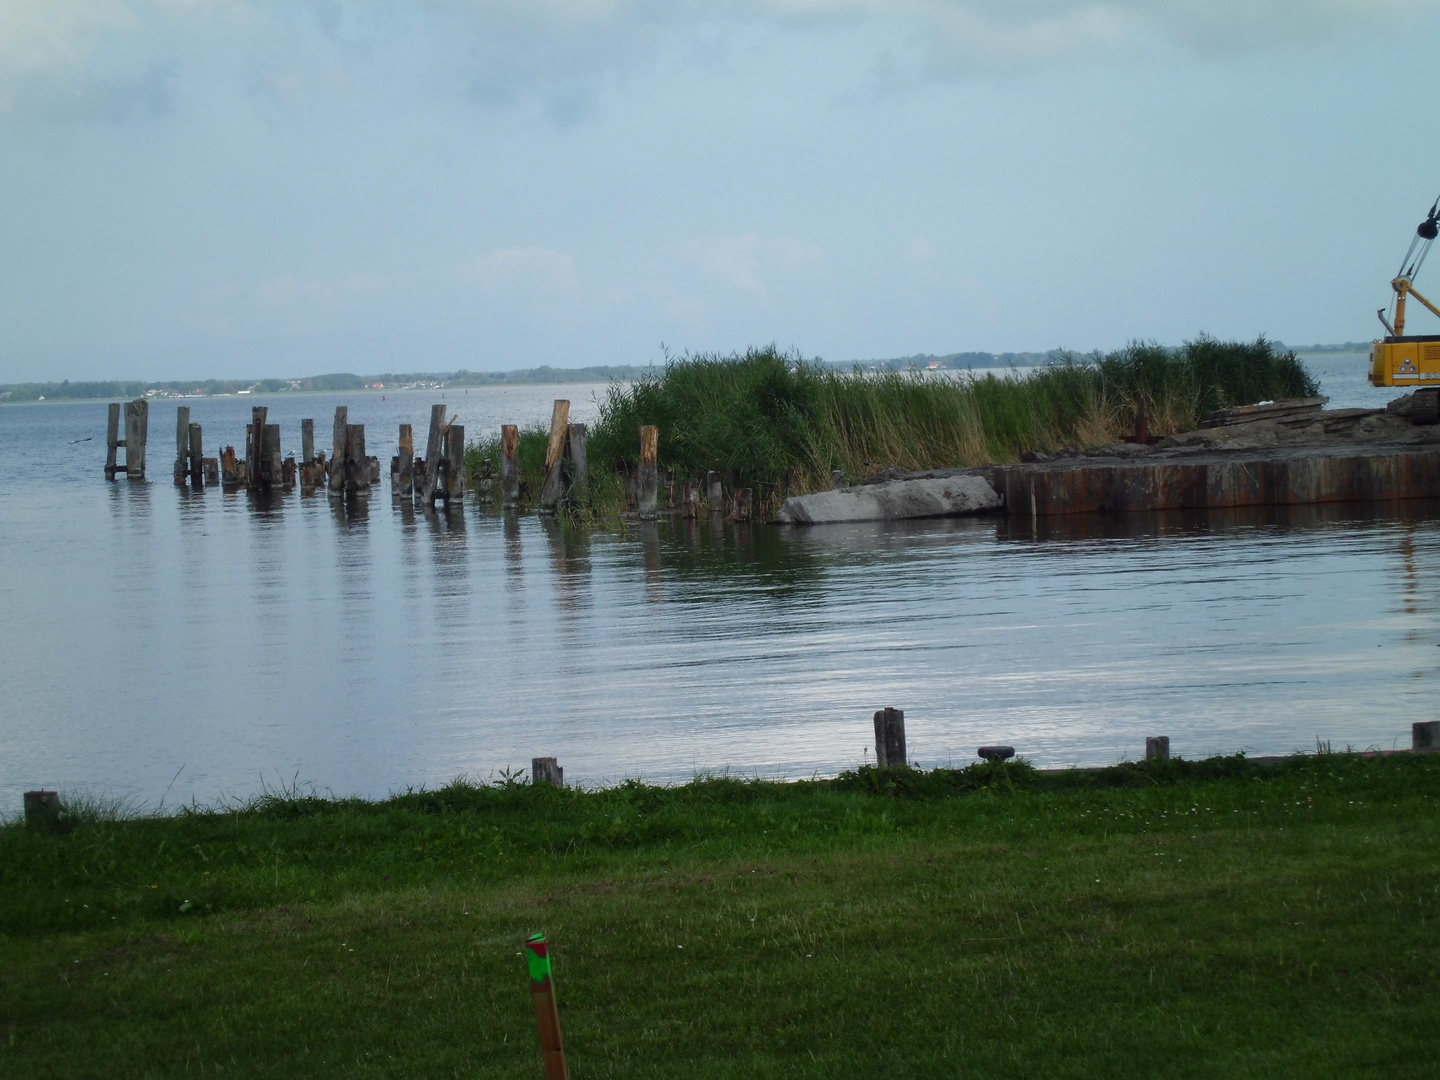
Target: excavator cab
(1399, 359)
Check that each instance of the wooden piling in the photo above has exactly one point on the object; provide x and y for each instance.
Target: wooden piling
(575, 456)
(112, 440)
(229, 472)
(692, 501)
(546, 770)
(42, 809)
(356, 470)
(454, 463)
(509, 464)
(670, 490)
(137, 425)
(404, 482)
(647, 479)
(272, 468)
(890, 738)
(744, 503)
(197, 456)
(338, 454)
(255, 447)
(1425, 735)
(553, 487)
(211, 467)
(307, 442)
(434, 451)
(1157, 748)
(714, 492)
(182, 443)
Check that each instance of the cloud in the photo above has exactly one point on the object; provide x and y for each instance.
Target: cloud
(288, 291)
(531, 268)
(741, 261)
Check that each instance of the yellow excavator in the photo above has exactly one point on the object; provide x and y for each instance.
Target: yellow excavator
(1399, 359)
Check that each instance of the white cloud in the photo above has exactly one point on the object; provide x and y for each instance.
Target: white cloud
(742, 261)
(525, 267)
(288, 291)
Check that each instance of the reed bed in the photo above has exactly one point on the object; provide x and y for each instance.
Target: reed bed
(780, 424)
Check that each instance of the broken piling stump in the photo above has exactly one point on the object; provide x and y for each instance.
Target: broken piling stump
(744, 504)
(337, 457)
(1425, 735)
(182, 443)
(229, 468)
(509, 464)
(576, 462)
(42, 809)
(546, 770)
(356, 467)
(1157, 748)
(647, 479)
(714, 492)
(890, 738)
(402, 483)
(553, 487)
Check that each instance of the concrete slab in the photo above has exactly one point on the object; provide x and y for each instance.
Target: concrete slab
(950, 496)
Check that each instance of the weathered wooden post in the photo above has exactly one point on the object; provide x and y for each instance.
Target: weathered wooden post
(197, 457)
(307, 442)
(509, 464)
(647, 481)
(577, 463)
(42, 809)
(212, 470)
(273, 467)
(692, 501)
(229, 470)
(554, 484)
(890, 738)
(1425, 735)
(137, 429)
(744, 503)
(670, 490)
(255, 446)
(714, 493)
(356, 469)
(338, 455)
(404, 481)
(1157, 748)
(454, 462)
(112, 440)
(434, 452)
(547, 1014)
(546, 770)
(182, 443)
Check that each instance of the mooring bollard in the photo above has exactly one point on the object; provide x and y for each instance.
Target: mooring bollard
(546, 770)
(995, 754)
(553, 486)
(42, 808)
(647, 480)
(890, 738)
(714, 493)
(509, 464)
(547, 1013)
(744, 502)
(1157, 748)
(1425, 735)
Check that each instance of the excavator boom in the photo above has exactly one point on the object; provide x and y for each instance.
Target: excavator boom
(1399, 359)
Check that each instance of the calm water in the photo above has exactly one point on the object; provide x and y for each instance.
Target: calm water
(160, 640)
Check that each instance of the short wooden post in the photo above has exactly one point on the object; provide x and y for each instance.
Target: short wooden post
(112, 440)
(404, 483)
(1425, 735)
(434, 452)
(454, 462)
(197, 457)
(212, 470)
(137, 429)
(744, 503)
(229, 473)
(338, 455)
(42, 809)
(307, 442)
(890, 738)
(274, 468)
(837, 479)
(647, 480)
(356, 469)
(547, 1014)
(255, 447)
(714, 493)
(546, 770)
(554, 453)
(182, 442)
(575, 457)
(509, 464)
(692, 501)
(1157, 748)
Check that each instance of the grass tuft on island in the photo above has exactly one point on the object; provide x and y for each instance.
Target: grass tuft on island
(779, 424)
(1212, 918)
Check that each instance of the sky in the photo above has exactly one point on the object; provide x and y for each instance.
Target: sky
(232, 188)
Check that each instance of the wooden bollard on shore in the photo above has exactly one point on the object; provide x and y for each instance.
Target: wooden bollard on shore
(547, 1013)
(546, 770)
(1157, 748)
(42, 809)
(553, 487)
(1425, 735)
(714, 492)
(182, 443)
(647, 478)
(509, 464)
(890, 738)
(744, 503)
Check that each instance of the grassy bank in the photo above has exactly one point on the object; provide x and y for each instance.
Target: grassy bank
(779, 425)
(1216, 918)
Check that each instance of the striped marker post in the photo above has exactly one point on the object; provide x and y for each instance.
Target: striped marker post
(537, 953)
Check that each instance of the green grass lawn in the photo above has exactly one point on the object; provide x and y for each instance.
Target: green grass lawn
(1220, 918)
